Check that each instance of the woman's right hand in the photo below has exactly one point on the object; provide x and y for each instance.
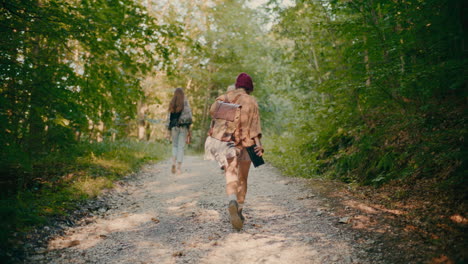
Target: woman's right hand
(259, 150)
(188, 140)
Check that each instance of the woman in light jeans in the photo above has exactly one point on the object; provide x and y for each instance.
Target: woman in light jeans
(178, 125)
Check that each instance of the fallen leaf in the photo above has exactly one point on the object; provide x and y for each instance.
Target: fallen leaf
(459, 219)
(155, 220)
(442, 259)
(74, 243)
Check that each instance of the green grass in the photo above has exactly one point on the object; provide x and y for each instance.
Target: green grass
(62, 180)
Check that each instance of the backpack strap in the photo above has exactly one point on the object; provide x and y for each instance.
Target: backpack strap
(237, 98)
(232, 101)
(235, 101)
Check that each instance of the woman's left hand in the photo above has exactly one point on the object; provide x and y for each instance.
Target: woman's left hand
(168, 135)
(259, 150)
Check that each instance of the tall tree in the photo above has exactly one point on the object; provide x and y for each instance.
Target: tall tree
(68, 64)
(392, 73)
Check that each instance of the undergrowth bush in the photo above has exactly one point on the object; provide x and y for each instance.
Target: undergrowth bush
(397, 147)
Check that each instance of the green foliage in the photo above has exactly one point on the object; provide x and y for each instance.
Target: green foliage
(378, 90)
(70, 71)
(226, 38)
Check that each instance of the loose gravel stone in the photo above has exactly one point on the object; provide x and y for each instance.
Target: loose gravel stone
(159, 217)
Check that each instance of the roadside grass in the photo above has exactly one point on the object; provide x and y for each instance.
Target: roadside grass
(62, 180)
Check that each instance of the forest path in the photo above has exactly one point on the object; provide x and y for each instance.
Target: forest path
(159, 217)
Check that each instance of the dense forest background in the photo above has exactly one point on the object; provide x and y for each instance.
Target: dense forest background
(369, 92)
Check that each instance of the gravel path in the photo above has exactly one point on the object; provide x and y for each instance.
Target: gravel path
(158, 217)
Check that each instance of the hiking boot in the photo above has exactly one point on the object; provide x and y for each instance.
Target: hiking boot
(241, 216)
(235, 218)
(173, 170)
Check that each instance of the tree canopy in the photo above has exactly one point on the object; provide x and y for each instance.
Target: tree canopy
(71, 71)
(365, 91)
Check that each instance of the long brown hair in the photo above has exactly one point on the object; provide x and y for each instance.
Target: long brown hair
(177, 102)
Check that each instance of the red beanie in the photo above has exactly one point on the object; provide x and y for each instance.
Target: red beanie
(244, 81)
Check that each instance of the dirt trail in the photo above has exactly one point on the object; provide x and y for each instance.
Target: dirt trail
(158, 217)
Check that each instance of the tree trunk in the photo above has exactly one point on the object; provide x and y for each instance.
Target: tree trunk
(366, 62)
(204, 127)
(142, 106)
(36, 124)
(100, 131)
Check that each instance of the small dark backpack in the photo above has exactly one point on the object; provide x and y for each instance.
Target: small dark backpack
(186, 115)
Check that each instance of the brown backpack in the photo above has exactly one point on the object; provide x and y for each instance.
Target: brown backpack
(226, 119)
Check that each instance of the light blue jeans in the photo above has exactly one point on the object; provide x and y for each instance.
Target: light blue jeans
(179, 135)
